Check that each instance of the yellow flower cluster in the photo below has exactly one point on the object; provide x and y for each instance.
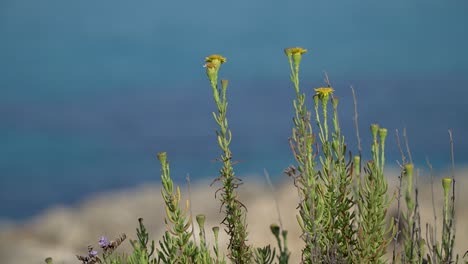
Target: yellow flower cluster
(215, 59)
(212, 65)
(295, 51)
(324, 91)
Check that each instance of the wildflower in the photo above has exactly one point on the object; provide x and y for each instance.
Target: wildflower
(295, 55)
(213, 62)
(295, 51)
(215, 59)
(91, 258)
(323, 92)
(103, 242)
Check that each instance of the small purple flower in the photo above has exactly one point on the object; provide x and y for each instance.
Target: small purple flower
(103, 242)
(92, 253)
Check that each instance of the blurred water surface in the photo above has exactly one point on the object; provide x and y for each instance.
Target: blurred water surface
(91, 90)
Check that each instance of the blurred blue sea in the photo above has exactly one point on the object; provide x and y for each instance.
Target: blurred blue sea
(92, 90)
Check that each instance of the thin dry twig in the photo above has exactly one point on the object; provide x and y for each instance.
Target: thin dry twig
(272, 189)
(405, 137)
(417, 215)
(397, 234)
(189, 189)
(403, 157)
(431, 172)
(452, 154)
(326, 79)
(356, 124)
(452, 157)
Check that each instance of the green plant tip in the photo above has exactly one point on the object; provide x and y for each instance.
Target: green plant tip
(224, 83)
(409, 167)
(162, 157)
(446, 184)
(335, 101)
(215, 230)
(382, 133)
(357, 164)
(275, 229)
(374, 129)
(201, 220)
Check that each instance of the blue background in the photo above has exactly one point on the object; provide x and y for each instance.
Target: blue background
(91, 90)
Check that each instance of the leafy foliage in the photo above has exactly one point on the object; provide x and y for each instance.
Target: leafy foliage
(342, 209)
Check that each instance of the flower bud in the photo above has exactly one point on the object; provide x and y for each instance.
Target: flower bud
(357, 165)
(162, 157)
(224, 84)
(275, 229)
(335, 101)
(374, 129)
(446, 184)
(382, 134)
(316, 100)
(201, 220)
(216, 231)
(408, 171)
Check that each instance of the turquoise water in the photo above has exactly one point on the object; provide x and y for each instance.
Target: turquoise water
(91, 90)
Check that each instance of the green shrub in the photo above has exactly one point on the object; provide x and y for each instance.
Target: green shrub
(342, 210)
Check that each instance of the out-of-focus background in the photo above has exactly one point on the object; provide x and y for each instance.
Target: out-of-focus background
(91, 90)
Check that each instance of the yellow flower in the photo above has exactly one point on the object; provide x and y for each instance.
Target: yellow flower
(295, 51)
(324, 91)
(216, 59)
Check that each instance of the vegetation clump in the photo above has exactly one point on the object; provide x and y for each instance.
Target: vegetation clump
(343, 201)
